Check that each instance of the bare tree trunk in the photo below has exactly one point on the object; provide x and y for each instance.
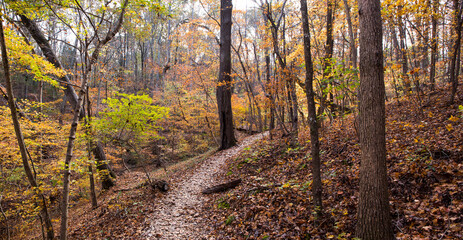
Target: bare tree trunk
(224, 91)
(88, 132)
(89, 61)
(269, 91)
(353, 48)
(314, 139)
(69, 155)
(327, 59)
(374, 220)
(458, 7)
(406, 79)
(19, 136)
(432, 73)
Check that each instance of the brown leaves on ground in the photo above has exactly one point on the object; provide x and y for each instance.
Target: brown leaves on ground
(425, 166)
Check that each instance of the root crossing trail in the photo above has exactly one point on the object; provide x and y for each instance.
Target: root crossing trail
(177, 214)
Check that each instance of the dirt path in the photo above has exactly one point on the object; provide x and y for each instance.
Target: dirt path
(176, 215)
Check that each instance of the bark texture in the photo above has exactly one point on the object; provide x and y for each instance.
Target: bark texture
(314, 139)
(456, 43)
(224, 91)
(374, 221)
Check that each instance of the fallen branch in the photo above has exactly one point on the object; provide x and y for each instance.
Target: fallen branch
(222, 187)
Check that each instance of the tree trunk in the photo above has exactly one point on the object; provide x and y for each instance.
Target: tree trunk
(69, 155)
(224, 92)
(432, 73)
(458, 7)
(269, 91)
(374, 221)
(327, 59)
(19, 136)
(353, 48)
(314, 140)
(49, 54)
(406, 79)
(102, 166)
(89, 61)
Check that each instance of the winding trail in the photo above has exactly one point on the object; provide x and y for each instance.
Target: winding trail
(176, 215)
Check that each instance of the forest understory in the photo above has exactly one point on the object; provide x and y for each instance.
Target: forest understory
(319, 119)
(425, 169)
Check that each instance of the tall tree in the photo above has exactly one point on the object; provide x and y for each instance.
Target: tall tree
(90, 60)
(314, 140)
(353, 48)
(374, 220)
(224, 91)
(19, 136)
(456, 43)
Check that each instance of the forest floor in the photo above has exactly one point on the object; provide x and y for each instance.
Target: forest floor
(425, 168)
(135, 211)
(424, 138)
(177, 215)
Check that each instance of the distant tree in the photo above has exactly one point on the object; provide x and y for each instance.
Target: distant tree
(224, 91)
(374, 221)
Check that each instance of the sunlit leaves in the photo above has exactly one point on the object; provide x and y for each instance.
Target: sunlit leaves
(130, 119)
(23, 60)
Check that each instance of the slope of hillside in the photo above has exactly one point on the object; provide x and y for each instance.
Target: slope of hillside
(425, 166)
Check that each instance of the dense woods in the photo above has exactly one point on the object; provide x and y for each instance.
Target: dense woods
(108, 105)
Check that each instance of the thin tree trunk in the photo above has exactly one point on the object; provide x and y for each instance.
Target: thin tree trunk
(89, 61)
(19, 136)
(458, 7)
(327, 59)
(88, 131)
(269, 90)
(353, 48)
(374, 220)
(69, 155)
(314, 139)
(432, 73)
(406, 79)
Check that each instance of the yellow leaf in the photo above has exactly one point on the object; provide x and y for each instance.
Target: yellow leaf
(453, 119)
(449, 127)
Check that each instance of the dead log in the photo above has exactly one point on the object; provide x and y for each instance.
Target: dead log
(222, 187)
